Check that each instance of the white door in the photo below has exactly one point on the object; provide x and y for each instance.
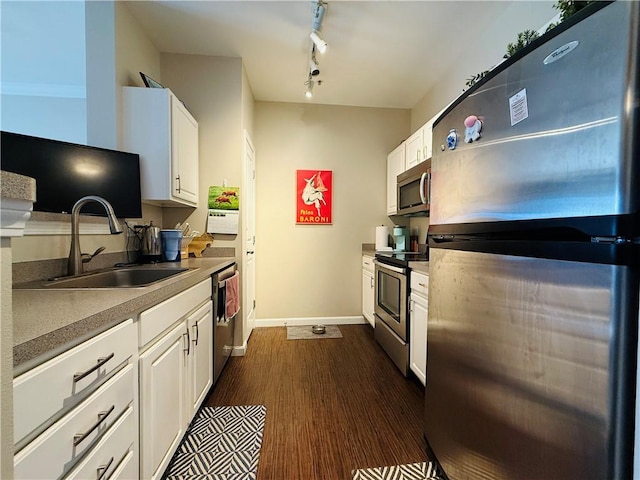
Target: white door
(249, 221)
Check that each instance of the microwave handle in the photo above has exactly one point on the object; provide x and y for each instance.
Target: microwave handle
(423, 177)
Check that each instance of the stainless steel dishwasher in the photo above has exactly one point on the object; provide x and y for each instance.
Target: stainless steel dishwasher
(224, 326)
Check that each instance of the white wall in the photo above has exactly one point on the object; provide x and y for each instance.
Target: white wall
(483, 54)
(43, 88)
(216, 92)
(315, 270)
(211, 89)
(129, 51)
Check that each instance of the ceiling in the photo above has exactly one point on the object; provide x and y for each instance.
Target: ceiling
(380, 54)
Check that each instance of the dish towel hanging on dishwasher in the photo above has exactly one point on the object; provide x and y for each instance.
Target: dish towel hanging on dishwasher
(232, 305)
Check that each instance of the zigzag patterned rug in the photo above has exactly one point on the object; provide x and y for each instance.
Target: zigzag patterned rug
(222, 443)
(411, 471)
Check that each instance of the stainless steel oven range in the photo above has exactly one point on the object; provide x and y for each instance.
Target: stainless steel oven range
(391, 300)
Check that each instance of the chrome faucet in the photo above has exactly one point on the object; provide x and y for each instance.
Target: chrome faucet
(75, 256)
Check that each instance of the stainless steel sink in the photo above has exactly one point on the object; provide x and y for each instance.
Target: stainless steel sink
(114, 278)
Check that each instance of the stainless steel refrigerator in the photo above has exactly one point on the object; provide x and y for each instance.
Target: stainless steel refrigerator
(534, 249)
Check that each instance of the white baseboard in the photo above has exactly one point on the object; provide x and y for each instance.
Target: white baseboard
(284, 322)
(239, 350)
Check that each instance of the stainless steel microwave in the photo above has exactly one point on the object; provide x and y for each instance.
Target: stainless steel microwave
(414, 190)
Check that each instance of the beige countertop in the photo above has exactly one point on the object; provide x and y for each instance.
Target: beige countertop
(422, 267)
(47, 322)
(17, 187)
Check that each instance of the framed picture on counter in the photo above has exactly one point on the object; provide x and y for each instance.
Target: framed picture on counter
(314, 190)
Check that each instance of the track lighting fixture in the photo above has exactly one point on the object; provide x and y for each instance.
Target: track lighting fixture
(320, 44)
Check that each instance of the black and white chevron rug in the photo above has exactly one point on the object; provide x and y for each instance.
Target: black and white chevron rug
(222, 443)
(411, 471)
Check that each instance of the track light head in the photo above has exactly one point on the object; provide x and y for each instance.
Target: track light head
(320, 44)
(314, 70)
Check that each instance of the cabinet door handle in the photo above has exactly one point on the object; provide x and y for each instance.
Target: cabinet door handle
(418, 155)
(424, 152)
(101, 361)
(178, 180)
(195, 340)
(102, 469)
(371, 281)
(188, 342)
(79, 437)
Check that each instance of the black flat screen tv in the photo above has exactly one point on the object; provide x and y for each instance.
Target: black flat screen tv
(66, 172)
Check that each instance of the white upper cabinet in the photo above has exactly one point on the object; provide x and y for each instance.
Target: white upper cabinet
(395, 166)
(419, 145)
(158, 127)
(415, 149)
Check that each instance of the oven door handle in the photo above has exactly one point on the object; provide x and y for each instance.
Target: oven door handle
(403, 271)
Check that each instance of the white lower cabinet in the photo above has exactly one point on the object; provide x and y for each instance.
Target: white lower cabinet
(66, 442)
(201, 357)
(176, 372)
(368, 289)
(162, 400)
(118, 405)
(68, 406)
(418, 302)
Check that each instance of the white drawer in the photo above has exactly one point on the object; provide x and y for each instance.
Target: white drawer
(53, 453)
(45, 393)
(113, 449)
(157, 319)
(128, 468)
(419, 282)
(367, 263)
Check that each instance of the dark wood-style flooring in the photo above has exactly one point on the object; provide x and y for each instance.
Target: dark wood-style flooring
(333, 405)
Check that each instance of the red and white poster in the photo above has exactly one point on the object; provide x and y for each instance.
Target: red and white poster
(313, 197)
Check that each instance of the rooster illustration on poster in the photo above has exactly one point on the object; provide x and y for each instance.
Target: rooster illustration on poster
(314, 196)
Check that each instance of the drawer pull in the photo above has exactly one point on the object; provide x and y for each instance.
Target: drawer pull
(101, 361)
(102, 469)
(422, 284)
(79, 437)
